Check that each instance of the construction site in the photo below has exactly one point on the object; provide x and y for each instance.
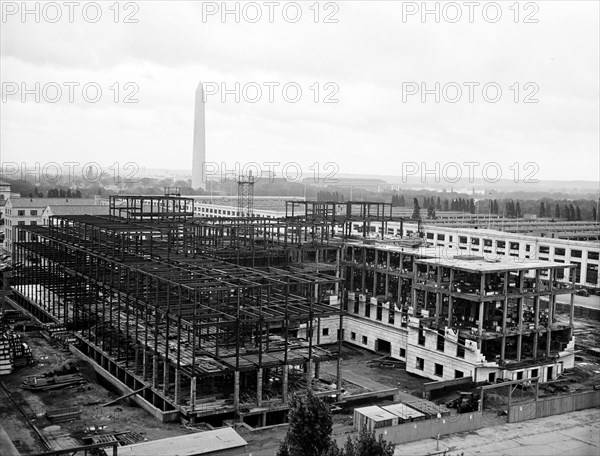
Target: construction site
(219, 321)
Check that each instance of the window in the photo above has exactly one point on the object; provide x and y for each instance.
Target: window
(439, 370)
(544, 249)
(528, 247)
(576, 253)
(21, 222)
(325, 331)
(441, 237)
(520, 375)
(352, 336)
(534, 373)
(367, 309)
(462, 239)
(458, 374)
(440, 340)
(364, 340)
(429, 235)
(560, 252)
(475, 241)
(500, 244)
(593, 255)
(460, 348)
(403, 353)
(33, 212)
(514, 245)
(391, 317)
(356, 307)
(487, 242)
(592, 274)
(420, 363)
(379, 315)
(33, 222)
(421, 340)
(21, 213)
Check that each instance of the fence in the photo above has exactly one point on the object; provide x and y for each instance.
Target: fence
(553, 406)
(418, 430)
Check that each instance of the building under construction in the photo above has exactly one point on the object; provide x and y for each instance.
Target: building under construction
(204, 318)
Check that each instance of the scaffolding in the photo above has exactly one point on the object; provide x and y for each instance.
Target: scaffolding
(246, 196)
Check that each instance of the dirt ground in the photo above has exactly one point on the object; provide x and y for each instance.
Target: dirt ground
(89, 397)
(123, 417)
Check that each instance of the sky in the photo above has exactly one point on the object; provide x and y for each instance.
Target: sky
(316, 88)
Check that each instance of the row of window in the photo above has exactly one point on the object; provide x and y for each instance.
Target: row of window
(21, 212)
(438, 369)
(543, 249)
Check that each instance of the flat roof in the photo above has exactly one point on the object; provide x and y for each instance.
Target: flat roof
(187, 445)
(481, 264)
(403, 411)
(375, 413)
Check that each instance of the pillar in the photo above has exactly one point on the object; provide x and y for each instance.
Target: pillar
(236, 389)
(145, 364)
(259, 387)
(165, 377)
(285, 390)
(177, 386)
(193, 394)
(309, 374)
(317, 369)
(155, 371)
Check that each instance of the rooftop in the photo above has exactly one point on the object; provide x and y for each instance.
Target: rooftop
(375, 413)
(481, 264)
(187, 445)
(45, 202)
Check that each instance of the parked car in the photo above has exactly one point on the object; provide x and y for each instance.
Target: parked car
(582, 292)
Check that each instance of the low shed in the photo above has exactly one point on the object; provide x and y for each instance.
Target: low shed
(218, 442)
(404, 413)
(373, 417)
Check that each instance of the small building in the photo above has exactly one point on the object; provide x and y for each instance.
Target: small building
(373, 417)
(404, 412)
(221, 442)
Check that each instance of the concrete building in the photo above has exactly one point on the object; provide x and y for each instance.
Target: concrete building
(499, 244)
(461, 316)
(29, 211)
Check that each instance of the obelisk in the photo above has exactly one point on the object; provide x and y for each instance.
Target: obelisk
(199, 157)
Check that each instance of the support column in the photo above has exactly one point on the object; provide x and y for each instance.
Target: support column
(177, 386)
(193, 395)
(145, 364)
(259, 387)
(155, 370)
(165, 377)
(480, 329)
(236, 389)
(285, 387)
(309, 374)
(317, 369)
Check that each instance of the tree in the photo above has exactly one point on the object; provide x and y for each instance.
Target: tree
(518, 210)
(557, 211)
(365, 444)
(542, 212)
(446, 205)
(594, 214)
(416, 210)
(578, 214)
(309, 433)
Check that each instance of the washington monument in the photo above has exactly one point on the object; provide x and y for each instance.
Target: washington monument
(199, 158)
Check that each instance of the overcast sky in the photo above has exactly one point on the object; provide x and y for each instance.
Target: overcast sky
(373, 57)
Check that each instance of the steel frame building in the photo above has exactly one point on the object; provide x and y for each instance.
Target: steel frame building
(207, 318)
